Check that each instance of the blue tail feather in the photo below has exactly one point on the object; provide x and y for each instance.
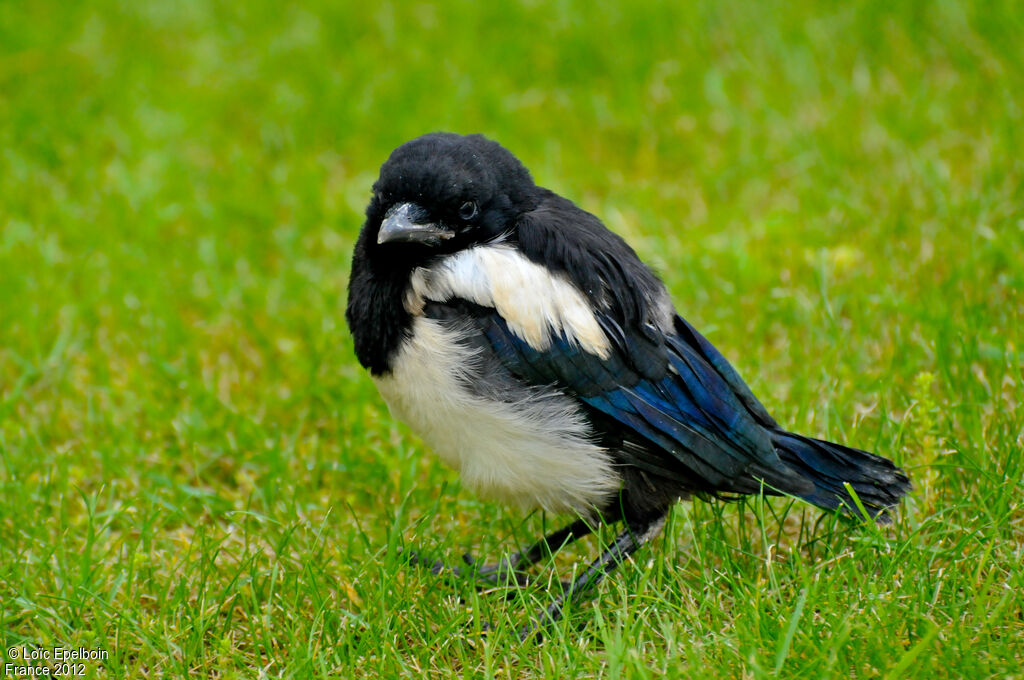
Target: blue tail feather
(878, 483)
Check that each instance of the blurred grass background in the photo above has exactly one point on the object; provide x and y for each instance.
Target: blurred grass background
(196, 476)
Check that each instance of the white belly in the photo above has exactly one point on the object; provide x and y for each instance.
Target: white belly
(532, 451)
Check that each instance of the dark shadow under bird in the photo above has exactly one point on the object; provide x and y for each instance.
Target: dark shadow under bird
(533, 351)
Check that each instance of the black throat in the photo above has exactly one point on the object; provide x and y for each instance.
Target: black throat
(375, 313)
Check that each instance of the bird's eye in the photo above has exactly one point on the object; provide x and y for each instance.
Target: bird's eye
(467, 210)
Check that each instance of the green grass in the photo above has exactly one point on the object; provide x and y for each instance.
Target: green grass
(197, 477)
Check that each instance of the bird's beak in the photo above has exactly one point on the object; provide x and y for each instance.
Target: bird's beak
(401, 225)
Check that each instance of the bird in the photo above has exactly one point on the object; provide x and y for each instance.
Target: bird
(533, 351)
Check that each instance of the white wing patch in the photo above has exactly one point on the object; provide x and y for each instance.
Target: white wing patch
(535, 303)
(532, 449)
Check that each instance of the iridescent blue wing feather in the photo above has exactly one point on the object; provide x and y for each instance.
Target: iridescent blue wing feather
(659, 392)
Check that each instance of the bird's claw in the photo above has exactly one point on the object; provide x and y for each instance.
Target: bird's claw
(531, 631)
(501, 573)
(437, 567)
(497, 575)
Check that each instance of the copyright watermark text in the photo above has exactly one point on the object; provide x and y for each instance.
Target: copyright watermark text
(56, 662)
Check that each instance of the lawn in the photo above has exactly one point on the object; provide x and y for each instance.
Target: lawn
(197, 478)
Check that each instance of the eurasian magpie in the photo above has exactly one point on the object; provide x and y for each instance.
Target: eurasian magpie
(530, 348)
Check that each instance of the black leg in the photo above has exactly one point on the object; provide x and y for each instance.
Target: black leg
(511, 569)
(627, 543)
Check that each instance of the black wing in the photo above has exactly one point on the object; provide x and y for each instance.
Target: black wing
(674, 394)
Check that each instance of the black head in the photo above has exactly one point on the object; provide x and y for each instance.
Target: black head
(443, 192)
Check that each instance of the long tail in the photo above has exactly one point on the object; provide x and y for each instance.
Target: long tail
(878, 483)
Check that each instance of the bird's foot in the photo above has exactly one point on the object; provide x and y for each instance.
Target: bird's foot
(500, 574)
(534, 630)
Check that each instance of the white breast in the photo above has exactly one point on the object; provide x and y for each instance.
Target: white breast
(530, 448)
